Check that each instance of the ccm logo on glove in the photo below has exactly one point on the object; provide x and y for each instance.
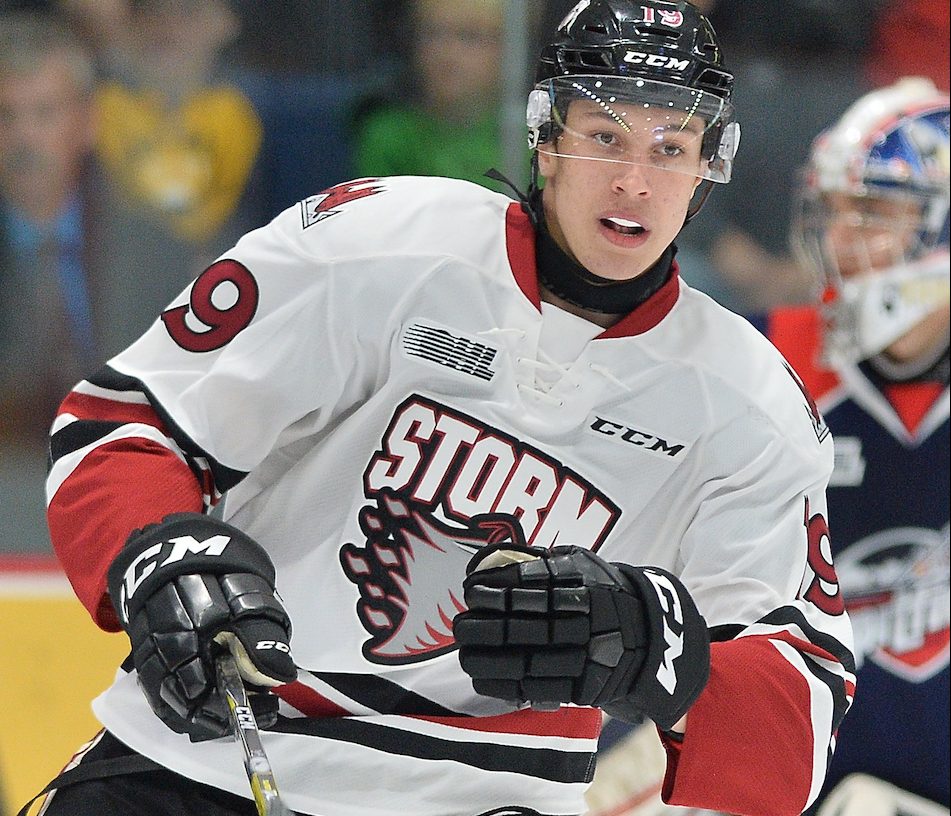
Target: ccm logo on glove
(670, 604)
(186, 589)
(180, 546)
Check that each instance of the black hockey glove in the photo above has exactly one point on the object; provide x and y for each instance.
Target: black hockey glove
(564, 625)
(185, 589)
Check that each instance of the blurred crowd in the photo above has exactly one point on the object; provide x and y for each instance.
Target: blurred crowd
(139, 138)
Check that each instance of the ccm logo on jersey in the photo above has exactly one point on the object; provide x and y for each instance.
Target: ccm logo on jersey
(633, 436)
(673, 614)
(148, 560)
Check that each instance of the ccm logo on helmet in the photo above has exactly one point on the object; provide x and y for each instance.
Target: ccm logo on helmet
(656, 61)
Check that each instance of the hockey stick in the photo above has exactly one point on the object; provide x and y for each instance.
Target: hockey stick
(245, 730)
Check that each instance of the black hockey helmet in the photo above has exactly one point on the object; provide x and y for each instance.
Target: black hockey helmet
(665, 40)
(662, 53)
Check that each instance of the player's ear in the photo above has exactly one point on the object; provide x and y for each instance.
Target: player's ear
(547, 161)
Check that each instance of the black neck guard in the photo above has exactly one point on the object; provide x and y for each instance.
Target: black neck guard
(564, 277)
(569, 280)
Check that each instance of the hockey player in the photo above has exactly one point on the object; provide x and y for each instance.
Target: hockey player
(488, 466)
(873, 227)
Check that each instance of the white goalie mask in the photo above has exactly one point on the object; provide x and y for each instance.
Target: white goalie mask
(871, 218)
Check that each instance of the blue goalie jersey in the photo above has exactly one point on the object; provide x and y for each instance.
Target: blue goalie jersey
(888, 517)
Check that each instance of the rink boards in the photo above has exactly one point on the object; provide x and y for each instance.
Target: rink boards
(55, 660)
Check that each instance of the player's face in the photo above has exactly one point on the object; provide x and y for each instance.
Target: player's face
(865, 235)
(616, 195)
(46, 131)
(868, 235)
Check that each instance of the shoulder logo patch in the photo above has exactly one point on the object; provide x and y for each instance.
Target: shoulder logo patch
(323, 205)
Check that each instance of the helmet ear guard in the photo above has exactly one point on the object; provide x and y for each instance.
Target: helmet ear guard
(538, 117)
(727, 145)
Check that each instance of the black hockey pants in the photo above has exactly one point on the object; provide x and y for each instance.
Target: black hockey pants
(113, 780)
(136, 787)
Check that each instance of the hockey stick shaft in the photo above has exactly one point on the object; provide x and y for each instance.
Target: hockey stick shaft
(245, 730)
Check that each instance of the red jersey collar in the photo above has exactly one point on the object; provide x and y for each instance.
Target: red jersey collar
(520, 245)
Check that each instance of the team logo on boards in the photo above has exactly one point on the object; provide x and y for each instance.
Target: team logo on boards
(441, 486)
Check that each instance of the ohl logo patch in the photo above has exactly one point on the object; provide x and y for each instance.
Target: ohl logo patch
(318, 207)
(441, 486)
(896, 587)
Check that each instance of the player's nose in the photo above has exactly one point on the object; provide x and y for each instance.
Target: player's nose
(631, 178)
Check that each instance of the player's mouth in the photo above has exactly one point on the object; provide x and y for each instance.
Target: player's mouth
(624, 232)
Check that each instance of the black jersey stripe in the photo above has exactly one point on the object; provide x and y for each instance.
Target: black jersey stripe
(225, 477)
(78, 435)
(791, 616)
(382, 695)
(544, 763)
(840, 703)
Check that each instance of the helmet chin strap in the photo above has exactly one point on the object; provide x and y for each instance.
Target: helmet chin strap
(699, 199)
(932, 366)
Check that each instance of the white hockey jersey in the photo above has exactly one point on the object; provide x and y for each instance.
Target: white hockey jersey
(375, 388)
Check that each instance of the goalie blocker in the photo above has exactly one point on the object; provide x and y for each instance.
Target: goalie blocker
(564, 625)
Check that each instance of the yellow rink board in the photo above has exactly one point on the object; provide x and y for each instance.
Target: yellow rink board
(54, 661)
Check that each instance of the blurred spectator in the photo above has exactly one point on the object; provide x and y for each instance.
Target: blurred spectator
(81, 272)
(449, 122)
(47, 334)
(85, 268)
(910, 37)
(47, 205)
(178, 140)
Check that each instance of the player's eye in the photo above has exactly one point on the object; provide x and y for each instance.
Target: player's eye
(605, 139)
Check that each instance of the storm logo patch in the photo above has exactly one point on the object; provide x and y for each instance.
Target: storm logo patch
(441, 486)
(410, 576)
